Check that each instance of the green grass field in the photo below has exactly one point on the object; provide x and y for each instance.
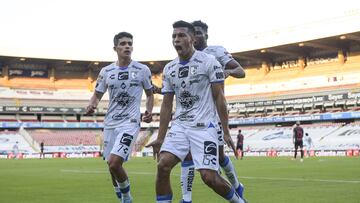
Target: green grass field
(320, 179)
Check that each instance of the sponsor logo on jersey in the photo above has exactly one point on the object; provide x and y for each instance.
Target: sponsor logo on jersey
(126, 139)
(210, 148)
(219, 75)
(123, 76)
(172, 74)
(124, 99)
(112, 76)
(183, 72)
(187, 100)
(119, 116)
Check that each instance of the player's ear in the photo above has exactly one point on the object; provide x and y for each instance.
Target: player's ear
(114, 48)
(206, 36)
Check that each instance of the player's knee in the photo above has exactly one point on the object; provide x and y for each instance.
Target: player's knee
(208, 177)
(163, 167)
(114, 165)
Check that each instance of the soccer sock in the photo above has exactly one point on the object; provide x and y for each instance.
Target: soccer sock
(187, 178)
(125, 189)
(233, 197)
(230, 172)
(302, 153)
(117, 192)
(295, 153)
(164, 198)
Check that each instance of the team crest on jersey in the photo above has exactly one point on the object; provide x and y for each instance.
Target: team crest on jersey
(124, 99)
(187, 100)
(193, 70)
(123, 85)
(183, 72)
(134, 75)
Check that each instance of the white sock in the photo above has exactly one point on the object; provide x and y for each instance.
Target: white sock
(187, 178)
(125, 189)
(230, 172)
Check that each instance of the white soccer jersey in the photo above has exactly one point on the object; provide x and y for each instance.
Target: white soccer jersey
(125, 86)
(191, 84)
(220, 54)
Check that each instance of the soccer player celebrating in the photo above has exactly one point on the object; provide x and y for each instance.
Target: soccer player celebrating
(196, 80)
(230, 67)
(125, 81)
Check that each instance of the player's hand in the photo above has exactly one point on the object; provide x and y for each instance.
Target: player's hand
(156, 145)
(156, 89)
(147, 117)
(90, 109)
(228, 140)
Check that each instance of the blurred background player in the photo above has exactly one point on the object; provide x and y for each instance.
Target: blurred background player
(308, 144)
(240, 144)
(15, 149)
(125, 81)
(298, 139)
(42, 149)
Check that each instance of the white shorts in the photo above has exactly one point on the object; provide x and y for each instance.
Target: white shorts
(201, 142)
(119, 141)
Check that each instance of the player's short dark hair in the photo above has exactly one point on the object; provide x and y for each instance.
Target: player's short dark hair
(121, 35)
(199, 23)
(182, 23)
(240, 131)
(306, 134)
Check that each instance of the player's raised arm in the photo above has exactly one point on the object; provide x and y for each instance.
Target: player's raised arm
(234, 69)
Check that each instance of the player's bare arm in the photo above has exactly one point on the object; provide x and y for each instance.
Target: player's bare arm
(165, 117)
(234, 69)
(94, 101)
(147, 118)
(220, 102)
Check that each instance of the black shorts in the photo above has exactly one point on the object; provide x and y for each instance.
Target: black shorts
(299, 144)
(239, 147)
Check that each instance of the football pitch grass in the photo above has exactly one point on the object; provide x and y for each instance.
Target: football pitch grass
(317, 179)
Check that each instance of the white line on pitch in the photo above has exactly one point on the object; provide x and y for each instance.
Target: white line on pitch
(303, 179)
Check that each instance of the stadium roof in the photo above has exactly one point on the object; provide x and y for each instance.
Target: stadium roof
(348, 42)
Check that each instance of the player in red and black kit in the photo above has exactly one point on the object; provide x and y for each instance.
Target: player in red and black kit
(240, 144)
(298, 139)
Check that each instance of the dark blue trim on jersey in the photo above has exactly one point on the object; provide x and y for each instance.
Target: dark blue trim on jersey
(123, 67)
(219, 81)
(184, 62)
(149, 88)
(187, 163)
(163, 197)
(167, 92)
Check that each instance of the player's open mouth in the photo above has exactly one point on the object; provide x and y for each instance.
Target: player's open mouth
(178, 47)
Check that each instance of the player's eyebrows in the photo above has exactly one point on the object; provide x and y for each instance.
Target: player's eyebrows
(124, 42)
(179, 34)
